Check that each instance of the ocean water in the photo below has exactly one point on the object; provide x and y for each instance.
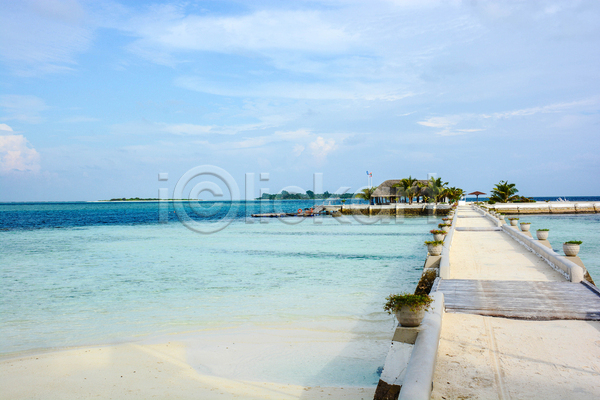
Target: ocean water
(93, 273)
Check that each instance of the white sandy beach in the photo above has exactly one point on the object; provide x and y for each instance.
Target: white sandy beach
(240, 363)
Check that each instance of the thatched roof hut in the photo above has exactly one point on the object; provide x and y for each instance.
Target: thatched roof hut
(386, 190)
(386, 193)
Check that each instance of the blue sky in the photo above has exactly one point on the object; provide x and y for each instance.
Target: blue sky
(98, 97)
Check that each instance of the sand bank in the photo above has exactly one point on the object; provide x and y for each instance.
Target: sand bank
(241, 363)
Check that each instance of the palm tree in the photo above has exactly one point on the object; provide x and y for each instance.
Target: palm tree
(453, 194)
(504, 192)
(408, 188)
(435, 189)
(367, 194)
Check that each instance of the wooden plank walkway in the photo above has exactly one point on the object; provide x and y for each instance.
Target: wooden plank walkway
(532, 300)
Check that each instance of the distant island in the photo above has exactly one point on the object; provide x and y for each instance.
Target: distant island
(309, 195)
(284, 195)
(134, 199)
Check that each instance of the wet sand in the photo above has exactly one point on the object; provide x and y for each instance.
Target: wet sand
(242, 363)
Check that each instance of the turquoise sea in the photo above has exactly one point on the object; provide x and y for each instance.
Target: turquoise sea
(76, 274)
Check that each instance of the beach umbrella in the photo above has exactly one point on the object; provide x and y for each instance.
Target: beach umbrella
(476, 194)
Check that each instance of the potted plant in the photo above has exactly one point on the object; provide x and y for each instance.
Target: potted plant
(525, 226)
(542, 234)
(571, 248)
(444, 227)
(434, 247)
(438, 234)
(513, 221)
(408, 308)
(446, 219)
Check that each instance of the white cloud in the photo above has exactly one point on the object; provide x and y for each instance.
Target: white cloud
(4, 127)
(42, 36)
(22, 108)
(290, 30)
(440, 122)
(80, 118)
(188, 129)
(16, 154)
(298, 149)
(294, 89)
(293, 135)
(456, 132)
(277, 137)
(145, 127)
(449, 123)
(321, 148)
(551, 108)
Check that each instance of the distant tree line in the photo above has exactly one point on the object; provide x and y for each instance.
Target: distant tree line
(132, 199)
(309, 195)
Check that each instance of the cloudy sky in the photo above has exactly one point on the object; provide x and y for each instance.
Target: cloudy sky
(98, 97)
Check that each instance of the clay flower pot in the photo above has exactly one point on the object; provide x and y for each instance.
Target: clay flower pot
(407, 317)
(570, 249)
(542, 235)
(525, 226)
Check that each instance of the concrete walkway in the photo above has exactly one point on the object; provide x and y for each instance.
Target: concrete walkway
(483, 357)
(493, 255)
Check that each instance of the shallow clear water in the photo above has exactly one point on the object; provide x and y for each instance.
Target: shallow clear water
(94, 284)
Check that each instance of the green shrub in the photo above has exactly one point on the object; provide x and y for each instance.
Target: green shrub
(415, 301)
(574, 242)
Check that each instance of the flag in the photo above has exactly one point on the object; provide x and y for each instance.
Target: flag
(370, 175)
(367, 172)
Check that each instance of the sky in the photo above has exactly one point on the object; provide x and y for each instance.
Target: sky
(99, 97)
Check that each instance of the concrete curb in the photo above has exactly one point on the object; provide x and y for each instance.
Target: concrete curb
(571, 271)
(567, 268)
(496, 221)
(418, 381)
(548, 208)
(445, 259)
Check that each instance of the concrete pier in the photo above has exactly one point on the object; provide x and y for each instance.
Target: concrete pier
(543, 341)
